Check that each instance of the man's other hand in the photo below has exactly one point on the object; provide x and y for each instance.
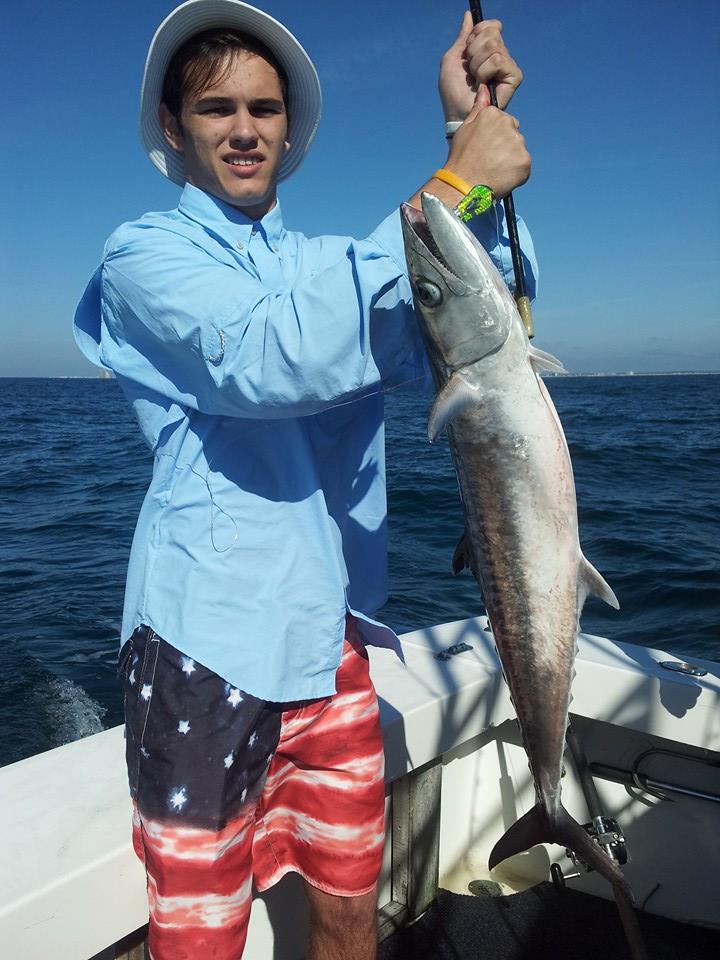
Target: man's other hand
(477, 57)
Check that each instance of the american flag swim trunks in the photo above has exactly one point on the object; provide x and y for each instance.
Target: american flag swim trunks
(228, 789)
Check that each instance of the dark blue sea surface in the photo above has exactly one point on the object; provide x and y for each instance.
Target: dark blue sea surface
(646, 453)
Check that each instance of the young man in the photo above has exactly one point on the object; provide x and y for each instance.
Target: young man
(255, 360)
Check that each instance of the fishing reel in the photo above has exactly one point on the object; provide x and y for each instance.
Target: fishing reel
(605, 832)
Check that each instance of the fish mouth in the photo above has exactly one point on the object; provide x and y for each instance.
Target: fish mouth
(416, 222)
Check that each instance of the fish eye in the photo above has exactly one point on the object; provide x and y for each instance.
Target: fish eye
(429, 294)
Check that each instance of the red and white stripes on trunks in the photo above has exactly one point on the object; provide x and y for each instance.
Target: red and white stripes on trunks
(228, 789)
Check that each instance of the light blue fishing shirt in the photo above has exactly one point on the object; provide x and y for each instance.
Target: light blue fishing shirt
(255, 360)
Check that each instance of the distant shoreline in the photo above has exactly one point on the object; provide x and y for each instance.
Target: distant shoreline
(634, 373)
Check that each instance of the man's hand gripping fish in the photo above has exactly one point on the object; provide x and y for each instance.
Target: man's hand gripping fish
(516, 482)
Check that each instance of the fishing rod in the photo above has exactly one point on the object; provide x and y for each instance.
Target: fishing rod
(521, 298)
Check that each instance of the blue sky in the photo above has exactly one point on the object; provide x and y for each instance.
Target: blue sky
(619, 109)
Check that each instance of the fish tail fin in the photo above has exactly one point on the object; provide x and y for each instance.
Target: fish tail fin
(537, 826)
(532, 828)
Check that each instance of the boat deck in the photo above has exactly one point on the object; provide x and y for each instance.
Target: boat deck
(540, 923)
(457, 777)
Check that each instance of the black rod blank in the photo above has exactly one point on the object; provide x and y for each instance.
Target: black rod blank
(521, 297)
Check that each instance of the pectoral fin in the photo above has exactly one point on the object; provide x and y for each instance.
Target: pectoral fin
(457, 395)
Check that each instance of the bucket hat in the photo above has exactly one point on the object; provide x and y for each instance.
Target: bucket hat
(195, 16)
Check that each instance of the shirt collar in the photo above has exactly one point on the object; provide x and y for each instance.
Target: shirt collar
(226, 221)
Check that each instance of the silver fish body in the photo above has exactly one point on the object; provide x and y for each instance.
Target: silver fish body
(517, 488)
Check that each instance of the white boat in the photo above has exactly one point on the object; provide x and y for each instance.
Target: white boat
(72, 889)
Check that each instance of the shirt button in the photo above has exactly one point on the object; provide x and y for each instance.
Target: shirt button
(240, 245)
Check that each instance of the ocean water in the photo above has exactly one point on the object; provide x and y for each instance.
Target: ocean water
(646, 454)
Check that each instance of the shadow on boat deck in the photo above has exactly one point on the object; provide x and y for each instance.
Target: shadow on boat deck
(540, 923)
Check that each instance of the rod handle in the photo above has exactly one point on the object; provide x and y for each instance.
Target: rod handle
(525, 311)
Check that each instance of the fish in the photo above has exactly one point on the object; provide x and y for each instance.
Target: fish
(516, 484)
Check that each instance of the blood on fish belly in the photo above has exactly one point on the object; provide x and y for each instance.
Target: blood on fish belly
(516, 482)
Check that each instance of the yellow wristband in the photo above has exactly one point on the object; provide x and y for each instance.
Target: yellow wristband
(452, 180)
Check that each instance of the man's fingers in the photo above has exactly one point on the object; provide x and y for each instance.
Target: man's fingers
(498, 67)
(499, 119)
(466, 28)
(485, 38)
(502, 72)
(487, 26)
(482, 102)
(476, 108)
(482, 98)
(488, 61)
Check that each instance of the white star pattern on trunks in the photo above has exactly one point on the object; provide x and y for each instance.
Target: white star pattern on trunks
(235, 697)
(184, 726)
(131, 678)
(243, 795)
(228, 761)
(146, 691)
(253, 739)
(144, 752)
(178, 799)
(188, 665)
